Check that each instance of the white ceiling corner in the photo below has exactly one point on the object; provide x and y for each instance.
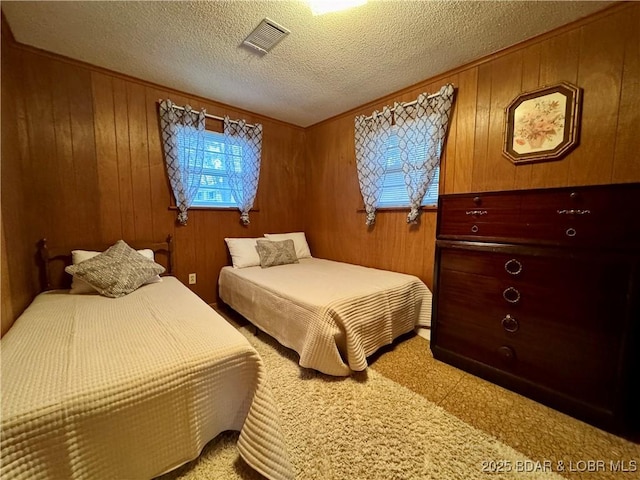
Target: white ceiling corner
(327, 64)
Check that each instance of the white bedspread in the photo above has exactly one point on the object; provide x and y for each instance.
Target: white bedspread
(129, 388)
(333, 314)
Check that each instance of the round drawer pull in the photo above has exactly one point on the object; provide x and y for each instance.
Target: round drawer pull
(477, 200)
(510, 324)
(513, 266)
(474, 229)
(511, 295)
(571, 232)
(507, 354)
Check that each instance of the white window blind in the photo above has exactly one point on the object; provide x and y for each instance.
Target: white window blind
(219, 160)
(394, 189)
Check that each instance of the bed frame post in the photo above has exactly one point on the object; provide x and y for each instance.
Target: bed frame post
(45, 277)
(170, 254)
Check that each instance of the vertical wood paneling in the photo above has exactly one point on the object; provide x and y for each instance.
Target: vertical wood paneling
(466, 125)
(18, 219)
(626, 163)
(481, 169)
(63, 182)
(139, 155)
(41, 161)
(600, 45)
(506, 80)
(530, 81)
(122, 152)
(23, 175)
(85, 169)
(449, 158)
(26, 219)
(106, 158)
(211, 259)
(427, 252)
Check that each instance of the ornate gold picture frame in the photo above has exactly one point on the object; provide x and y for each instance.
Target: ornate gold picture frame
(543, 124)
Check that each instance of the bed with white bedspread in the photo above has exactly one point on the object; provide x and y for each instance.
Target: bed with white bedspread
(333, 314)
(131, 387)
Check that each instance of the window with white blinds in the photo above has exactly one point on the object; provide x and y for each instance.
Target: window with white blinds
(219, 160)
(394, 189)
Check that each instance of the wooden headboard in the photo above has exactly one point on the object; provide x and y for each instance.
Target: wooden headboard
(54, 260)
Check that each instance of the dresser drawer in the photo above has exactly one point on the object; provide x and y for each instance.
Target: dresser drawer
(490, 262)
(524, 282)
(539, 313)
(556, 355)
(588, 217)
(584, 216)
(539, 333)
(481, 216)
(560, 366)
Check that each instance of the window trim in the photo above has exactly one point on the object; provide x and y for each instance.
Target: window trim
(230, 209)
(424, 208)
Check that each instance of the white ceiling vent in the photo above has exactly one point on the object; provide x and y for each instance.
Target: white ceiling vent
(266, 36)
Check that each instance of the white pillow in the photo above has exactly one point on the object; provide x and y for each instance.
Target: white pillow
(80, 286)
(244, 252)
(299, 241)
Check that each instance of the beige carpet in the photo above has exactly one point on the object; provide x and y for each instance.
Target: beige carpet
(361, 427)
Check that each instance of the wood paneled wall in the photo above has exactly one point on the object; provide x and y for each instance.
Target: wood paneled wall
(82, 164)
(19, 280)
(600, 54)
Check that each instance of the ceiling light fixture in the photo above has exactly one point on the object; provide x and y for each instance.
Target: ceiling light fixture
(320, 7)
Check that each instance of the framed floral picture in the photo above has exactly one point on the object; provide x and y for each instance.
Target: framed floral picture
(543, 124)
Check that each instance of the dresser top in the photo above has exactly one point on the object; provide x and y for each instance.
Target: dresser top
(583, 188)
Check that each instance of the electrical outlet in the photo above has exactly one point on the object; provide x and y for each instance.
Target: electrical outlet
(192, 279)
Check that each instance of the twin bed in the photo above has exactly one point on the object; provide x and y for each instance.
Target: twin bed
(130, 387)
(133, 387)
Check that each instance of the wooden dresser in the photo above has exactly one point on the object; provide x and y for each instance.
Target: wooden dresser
(539, 291)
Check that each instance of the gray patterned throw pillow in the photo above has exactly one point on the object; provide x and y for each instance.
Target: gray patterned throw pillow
(117, 271)
(276, 253)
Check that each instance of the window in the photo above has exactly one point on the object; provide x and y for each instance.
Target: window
(220, 160)
(394, 189)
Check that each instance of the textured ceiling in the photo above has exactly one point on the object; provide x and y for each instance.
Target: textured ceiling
(327, 65)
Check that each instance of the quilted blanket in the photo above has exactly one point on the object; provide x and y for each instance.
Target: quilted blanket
(333, 314)
(132, 387)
